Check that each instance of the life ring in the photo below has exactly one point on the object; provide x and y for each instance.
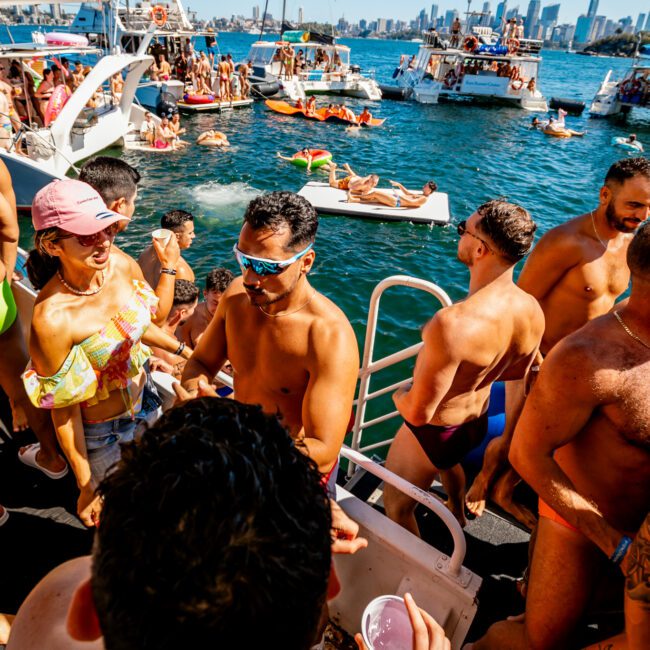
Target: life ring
(159, 15)
(631, 86)
(519, 82)
(513, 45)
(450, 79)
(198, 99)
(470, 43)
(319, 157)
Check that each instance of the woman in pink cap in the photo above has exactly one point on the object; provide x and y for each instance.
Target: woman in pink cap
(91, 321)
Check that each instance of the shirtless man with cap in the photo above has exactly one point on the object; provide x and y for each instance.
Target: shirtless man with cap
(583, 444)
(576, 271)
(292, 349)
(493, 334)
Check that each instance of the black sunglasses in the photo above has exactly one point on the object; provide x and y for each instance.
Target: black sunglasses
(461, 228)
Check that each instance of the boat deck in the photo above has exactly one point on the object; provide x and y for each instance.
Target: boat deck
(212, 107)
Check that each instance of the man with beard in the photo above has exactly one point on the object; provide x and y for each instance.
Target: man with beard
(491, 335)
(292, 349)
(576, 271)
(583, 444)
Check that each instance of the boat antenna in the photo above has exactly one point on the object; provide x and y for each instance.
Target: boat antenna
(266, 6)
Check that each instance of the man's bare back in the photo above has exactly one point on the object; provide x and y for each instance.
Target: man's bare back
(150, 265)
(574, 277)
(196, 325)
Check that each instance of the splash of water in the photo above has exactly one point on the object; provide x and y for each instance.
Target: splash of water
(224, 202)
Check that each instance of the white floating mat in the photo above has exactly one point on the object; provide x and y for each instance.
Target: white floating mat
(330, 200)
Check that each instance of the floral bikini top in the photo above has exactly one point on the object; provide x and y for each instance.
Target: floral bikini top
(101, 363)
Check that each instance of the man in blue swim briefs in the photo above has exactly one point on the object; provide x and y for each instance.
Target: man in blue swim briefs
(493, 334)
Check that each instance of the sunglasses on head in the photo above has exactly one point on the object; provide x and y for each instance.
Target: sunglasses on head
(93, 240)
(261, 266)
(461, 228)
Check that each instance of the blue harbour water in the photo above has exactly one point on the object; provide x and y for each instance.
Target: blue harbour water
(474, 153)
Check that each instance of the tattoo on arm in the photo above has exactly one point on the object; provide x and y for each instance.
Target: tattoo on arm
(637, 583)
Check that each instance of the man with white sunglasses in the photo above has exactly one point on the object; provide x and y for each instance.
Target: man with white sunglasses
(292, 349)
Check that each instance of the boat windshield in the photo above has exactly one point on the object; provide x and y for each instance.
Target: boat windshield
(262, 54)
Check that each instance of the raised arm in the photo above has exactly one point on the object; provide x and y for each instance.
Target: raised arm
(559, 406)
(327, 403)
(434, 372)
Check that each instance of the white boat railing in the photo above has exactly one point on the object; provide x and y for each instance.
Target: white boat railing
(369, 366)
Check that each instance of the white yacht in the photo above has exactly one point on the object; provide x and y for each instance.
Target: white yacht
(620, 96)
(472, 70)
(90, 119)
(327, 69)
(121, 26)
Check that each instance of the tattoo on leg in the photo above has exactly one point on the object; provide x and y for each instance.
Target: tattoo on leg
(637, 583)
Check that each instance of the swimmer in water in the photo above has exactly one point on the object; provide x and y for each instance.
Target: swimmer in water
(305, 154)
(213, 139)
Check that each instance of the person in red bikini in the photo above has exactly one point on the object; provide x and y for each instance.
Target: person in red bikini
(292, 349)
(583, 444)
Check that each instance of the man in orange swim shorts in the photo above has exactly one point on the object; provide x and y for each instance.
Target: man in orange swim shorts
(583, 444)
(352, 181)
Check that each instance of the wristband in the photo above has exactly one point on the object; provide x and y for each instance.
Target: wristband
(620, 551)
(168, 271)
(181, 347)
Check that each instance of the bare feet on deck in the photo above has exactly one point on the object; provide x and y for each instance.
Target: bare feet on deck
(458, 510)
(502, 496)
(18, 416)
(476, 496)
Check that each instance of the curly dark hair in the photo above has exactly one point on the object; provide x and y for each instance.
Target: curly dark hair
(279, 210)
(638, 252)
(174, 219)
(627, 168)
(185, 293)
(509, 227)
(215, 533)
(112, 178)
(218, 280)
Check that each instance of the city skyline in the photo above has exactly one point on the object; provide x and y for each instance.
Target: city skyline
(406, 10)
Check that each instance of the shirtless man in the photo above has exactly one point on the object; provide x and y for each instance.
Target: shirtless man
(365, 117)
(223, 70)
(216, 283)
(352, 181)
(493, 334)
(78, 75)
(292, 349)
(583, 444)
(186, 297)
(163, 69)
(310, 107)
(181, 223)
(243, 80)
(576, 271)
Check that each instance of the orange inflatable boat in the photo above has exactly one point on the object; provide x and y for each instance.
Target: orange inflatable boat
(321, 115)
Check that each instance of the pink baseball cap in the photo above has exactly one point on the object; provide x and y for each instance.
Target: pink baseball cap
(73, 206)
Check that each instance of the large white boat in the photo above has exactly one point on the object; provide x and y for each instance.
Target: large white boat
(327, 69)
(621, 96)
(479, 68)
(119, 26)
(91, 119)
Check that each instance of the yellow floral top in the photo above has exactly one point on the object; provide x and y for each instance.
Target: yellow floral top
(101, 363)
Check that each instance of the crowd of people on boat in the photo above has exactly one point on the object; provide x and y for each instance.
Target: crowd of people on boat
(218, 514)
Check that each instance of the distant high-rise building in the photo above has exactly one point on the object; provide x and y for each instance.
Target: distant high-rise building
(450, 16)
(598, 28)
(550, 14)
(390, 25)
(593, 8)
(583, 29)
(300, 16)
(647, 24)
(381, 25)
(502, 8)
(610, 28)
(256, 12)
(422, 20)
(532, 18)
(512, 13)
(363, 24)
(434, 14)
(640, 23)
(486, 18)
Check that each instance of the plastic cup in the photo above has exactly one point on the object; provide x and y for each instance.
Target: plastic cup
(385, 624)
(162, 235)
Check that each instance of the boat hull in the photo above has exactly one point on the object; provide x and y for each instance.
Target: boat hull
(27, 178)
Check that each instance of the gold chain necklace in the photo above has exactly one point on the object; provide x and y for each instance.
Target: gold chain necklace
(593, 223)
(287, 313)
(629, 332)
(76, 292)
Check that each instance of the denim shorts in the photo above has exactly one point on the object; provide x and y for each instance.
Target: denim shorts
(103, 444)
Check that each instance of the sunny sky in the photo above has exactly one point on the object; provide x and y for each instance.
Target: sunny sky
(332, 10)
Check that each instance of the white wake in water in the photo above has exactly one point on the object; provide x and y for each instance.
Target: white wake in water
(225, 202)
